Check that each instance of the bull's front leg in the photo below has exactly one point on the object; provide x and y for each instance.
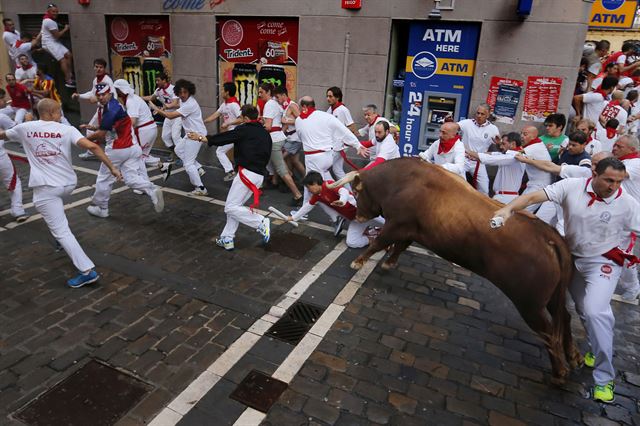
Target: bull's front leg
(383, 241)
(396, 250)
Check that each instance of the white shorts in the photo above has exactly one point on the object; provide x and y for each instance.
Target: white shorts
(57, 50)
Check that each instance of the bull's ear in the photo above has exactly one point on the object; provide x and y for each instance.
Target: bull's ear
(357, 184)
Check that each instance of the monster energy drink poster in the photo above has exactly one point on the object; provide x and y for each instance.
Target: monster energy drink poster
(140, 48)
(252, 51)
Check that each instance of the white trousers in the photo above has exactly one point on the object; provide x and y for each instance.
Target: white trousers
(19, 114)
(221, 153)
(321, 163)
(629, 277)
(481, 179)
(338, 167)
(49, 203)
(187, 150)
(355, 233)
(146, 136)
(7, 171)
(234, 205)
(591, 289)
(128, 161)
(171, 131)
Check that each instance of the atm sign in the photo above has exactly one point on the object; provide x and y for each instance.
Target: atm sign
(613, 14)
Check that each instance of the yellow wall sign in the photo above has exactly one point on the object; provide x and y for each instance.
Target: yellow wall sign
(614, 14)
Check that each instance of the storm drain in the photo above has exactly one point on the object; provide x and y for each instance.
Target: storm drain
(96, 395)
(259, 391)
(290, 245)
(295, 323)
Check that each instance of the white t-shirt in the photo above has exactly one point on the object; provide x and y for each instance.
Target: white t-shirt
(452, 160)
(92, 93)
(592, 230)
(387, 149)
(594, 146)
(48, 39)
(137, 108)
(572, 171)
(612, 111)
(632, 183)
(606, 143)
(274, 111)
(477, 138)
(632, 126)
(537, 178)
(510, 171)
(593, 104)
(318, 132)
(24, 49)
(192, 116)
(370, 129)
(343, 114)
(166, 96)
(10, 40)
(229, 111)
(5, 123)
(48, 148)
(28, 74)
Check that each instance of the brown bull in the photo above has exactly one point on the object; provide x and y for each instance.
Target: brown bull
(427, 204)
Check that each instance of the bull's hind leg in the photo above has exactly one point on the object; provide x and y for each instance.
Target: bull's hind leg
(392, 260)
(571, 352)
(383, 241)
(538, 320)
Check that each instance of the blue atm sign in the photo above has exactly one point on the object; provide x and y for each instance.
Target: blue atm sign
(440, 58)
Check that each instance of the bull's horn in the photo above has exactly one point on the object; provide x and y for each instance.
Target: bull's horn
(349, 177)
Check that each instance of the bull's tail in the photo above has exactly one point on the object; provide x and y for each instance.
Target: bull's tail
(560, 318)
(348, 178)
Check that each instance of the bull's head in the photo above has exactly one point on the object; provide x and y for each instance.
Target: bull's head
(368, 207)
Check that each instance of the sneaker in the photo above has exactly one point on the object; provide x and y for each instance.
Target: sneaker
(22, 218)
(201, 171)
(71, 84)
(265, 230)
(604, 393)
(98, 212)
(293, 212)
(158, 203)
(229, 176)
(225, 242)
(179, 163)
(589, 360)
(137, 192)
(372, 231)
(86, 155)
(338, 225)
(167, 171)
(296, 202)
(83, 279)
(631, 295)
(200, 192)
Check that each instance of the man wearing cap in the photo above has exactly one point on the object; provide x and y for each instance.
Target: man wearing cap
(144, 126)
(123, 152)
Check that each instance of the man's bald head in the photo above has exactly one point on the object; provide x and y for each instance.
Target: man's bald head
(307, 102)
(528, 134)
(448, 131)
(49, 109)
(617, 95)
(600, 156)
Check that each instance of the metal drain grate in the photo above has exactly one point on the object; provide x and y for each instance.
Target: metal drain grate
(259, 391)
(96, 395)
(295, 323)
(290, 245)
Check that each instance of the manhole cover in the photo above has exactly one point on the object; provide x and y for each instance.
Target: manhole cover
(295, 323)
(94, 395)
(259, 391)
(290, 245)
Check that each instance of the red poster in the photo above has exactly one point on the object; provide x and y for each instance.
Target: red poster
(351, 4)
(256, 40)
(139, 36)
(495, 85)
(541, 98)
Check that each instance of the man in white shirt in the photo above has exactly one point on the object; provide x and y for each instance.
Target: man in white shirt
(229, 111)
(51, 43)
(383, 147)
(342, 113)
(171, 127)
(613, 110)
(25, 71)
(477, 136)
(9, 175)
(506, 185)
(447, 151)
(47, 144)
(590, 105)
(598, 215)
(187, 149)
(10, 36)
(372, 118)
(533, 148)
(26, 45)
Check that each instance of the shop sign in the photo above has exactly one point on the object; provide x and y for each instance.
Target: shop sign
(351, 4)
(613, 14)
(194, 5)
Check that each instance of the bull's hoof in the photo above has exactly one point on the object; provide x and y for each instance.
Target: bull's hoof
(576, 360)
(357, 264)
(387, 266)
(558, 381)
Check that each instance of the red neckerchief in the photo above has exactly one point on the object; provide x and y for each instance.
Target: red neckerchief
(9, 31)
(589, 139)
(99, 78)
(336, 106)
(306, 114)
(595, 197)
(286, 103)
(517, 148)
(231, 100)
(375, 118)
(446, 145)
(629, 156)
(611, 133)
(28, 67)
(260, 105)
(614, 103)
(18, 43)
(604, 94)
(49, 16)
(533, 142)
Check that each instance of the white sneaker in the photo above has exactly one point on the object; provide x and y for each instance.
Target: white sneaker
(163, 166)
(229, 176)
(265, 230)
(631, 295)
(158, 203)
(98, 212)
(293, 212)
(225, 242)
(201, 171)
(200, 192)
(137, 192)
(86, 155)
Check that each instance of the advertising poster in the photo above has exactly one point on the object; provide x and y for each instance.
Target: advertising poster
(506, 104)
(252, 51)
(140, 48)
(495, 83)
(541, 98)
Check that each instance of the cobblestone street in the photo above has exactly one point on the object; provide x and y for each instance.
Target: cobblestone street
(426, 343)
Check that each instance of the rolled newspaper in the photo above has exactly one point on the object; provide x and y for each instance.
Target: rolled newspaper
(281, 215)
(496, 222)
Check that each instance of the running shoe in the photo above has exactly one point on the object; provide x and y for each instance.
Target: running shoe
(631, 295)
(229, 176)
(71, 84)
(604, 393)
(87, 155)
(158, 203)
(137, 192)
(265, 230)
(225, 242)
(201, 192)
(22, 218)
(338, 225)
(589, 360)
(83, 279)
(293, 212)
(98, 212)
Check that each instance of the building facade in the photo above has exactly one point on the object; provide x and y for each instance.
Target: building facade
(386, 52)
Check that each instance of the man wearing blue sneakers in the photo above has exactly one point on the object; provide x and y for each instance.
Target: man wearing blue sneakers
(251, 153)
(47, 143)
